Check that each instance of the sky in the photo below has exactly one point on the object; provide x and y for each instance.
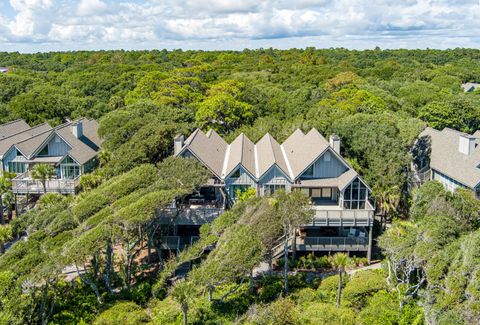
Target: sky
(62, 25)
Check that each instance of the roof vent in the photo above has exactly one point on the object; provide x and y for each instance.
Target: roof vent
(77, 129)
(466, 144)
(335, 143)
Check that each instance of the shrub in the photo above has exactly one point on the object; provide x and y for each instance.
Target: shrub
(165, 311)
(328, 288)
(327, 314)
(381, 309)
(282, 311)
(362, 285)
(123, 313)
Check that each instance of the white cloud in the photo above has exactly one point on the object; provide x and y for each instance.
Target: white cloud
(65, 24)
(91, 7)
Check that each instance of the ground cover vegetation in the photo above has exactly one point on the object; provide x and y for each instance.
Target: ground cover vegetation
(377, 101)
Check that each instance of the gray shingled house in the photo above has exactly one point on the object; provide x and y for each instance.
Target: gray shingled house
(71, 148)
(307, 162)
(452, 158)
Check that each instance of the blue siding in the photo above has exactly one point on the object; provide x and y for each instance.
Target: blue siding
(57, 147)
(327, 166)
(10, 156)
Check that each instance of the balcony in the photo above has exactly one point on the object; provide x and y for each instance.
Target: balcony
(336, 216)
(177, 242)
(330, 244)
(188, 216)
(24, 184)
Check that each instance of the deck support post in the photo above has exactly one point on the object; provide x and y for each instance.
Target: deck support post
(369, 251)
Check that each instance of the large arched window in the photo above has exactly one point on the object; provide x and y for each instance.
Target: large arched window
(355, 195)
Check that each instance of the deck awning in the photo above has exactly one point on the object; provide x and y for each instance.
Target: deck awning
(46, 160)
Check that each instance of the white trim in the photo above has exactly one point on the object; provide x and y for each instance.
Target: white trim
(287, 162)
(255, 154)
(225, 162)
(340, 158)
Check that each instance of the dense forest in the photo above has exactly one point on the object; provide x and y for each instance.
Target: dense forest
(377, 101)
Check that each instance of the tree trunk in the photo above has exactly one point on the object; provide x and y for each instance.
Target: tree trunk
(2, 220)
(90, 283)
(210, 293)
(44, 184)
(294, 243)
(339, 292)
(285, 266)
(185, 314)
(108, 266)
(252, 287)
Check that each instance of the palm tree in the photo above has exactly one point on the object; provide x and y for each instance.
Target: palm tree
(43, 172)
(5, 186)
(182, 293)
(339, 261)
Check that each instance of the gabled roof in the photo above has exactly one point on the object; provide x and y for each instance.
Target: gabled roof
(293, 157)
(447, 159)
(241, 152)
(269, 153)
(8, 142)
(80, 149)
(303, 149)
(13, 127)
(209, 148)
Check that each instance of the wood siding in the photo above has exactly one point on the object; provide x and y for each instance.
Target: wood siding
(327, 166)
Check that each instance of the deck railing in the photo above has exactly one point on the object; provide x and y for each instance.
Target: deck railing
(346, 218)
(346, 244)
(22, 184)
(188, 216)
(177, 242)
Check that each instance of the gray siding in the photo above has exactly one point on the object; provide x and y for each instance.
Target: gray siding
(273, 177)
(244, 179)
(327, 166)
(448, 182)
(57, 147)
(10, 156)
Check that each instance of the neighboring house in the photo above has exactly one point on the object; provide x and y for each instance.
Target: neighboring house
(470, 86)
(307, 162)
(452, 158)
(4, 70)
(71, 148)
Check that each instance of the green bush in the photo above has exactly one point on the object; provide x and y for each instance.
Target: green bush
(326, 314)
(362, 285)
(381, 309)
(328, 288)
(165, 311)
(282, 311)
(124, 313)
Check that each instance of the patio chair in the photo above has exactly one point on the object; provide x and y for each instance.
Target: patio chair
(352, 233)
(362, 235)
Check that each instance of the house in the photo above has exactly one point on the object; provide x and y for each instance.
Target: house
(4, 70)
(470, 86)
(452, 158)
(71, 148)
(307, 162)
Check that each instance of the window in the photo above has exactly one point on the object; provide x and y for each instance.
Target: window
(355, 195)
(44, 151)
(309, 172)
(236, 174)
(235, 189)
(270, 189)
(326, 193)
(16, 167)
(316, 192)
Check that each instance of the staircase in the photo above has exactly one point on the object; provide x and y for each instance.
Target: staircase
(279, 249)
